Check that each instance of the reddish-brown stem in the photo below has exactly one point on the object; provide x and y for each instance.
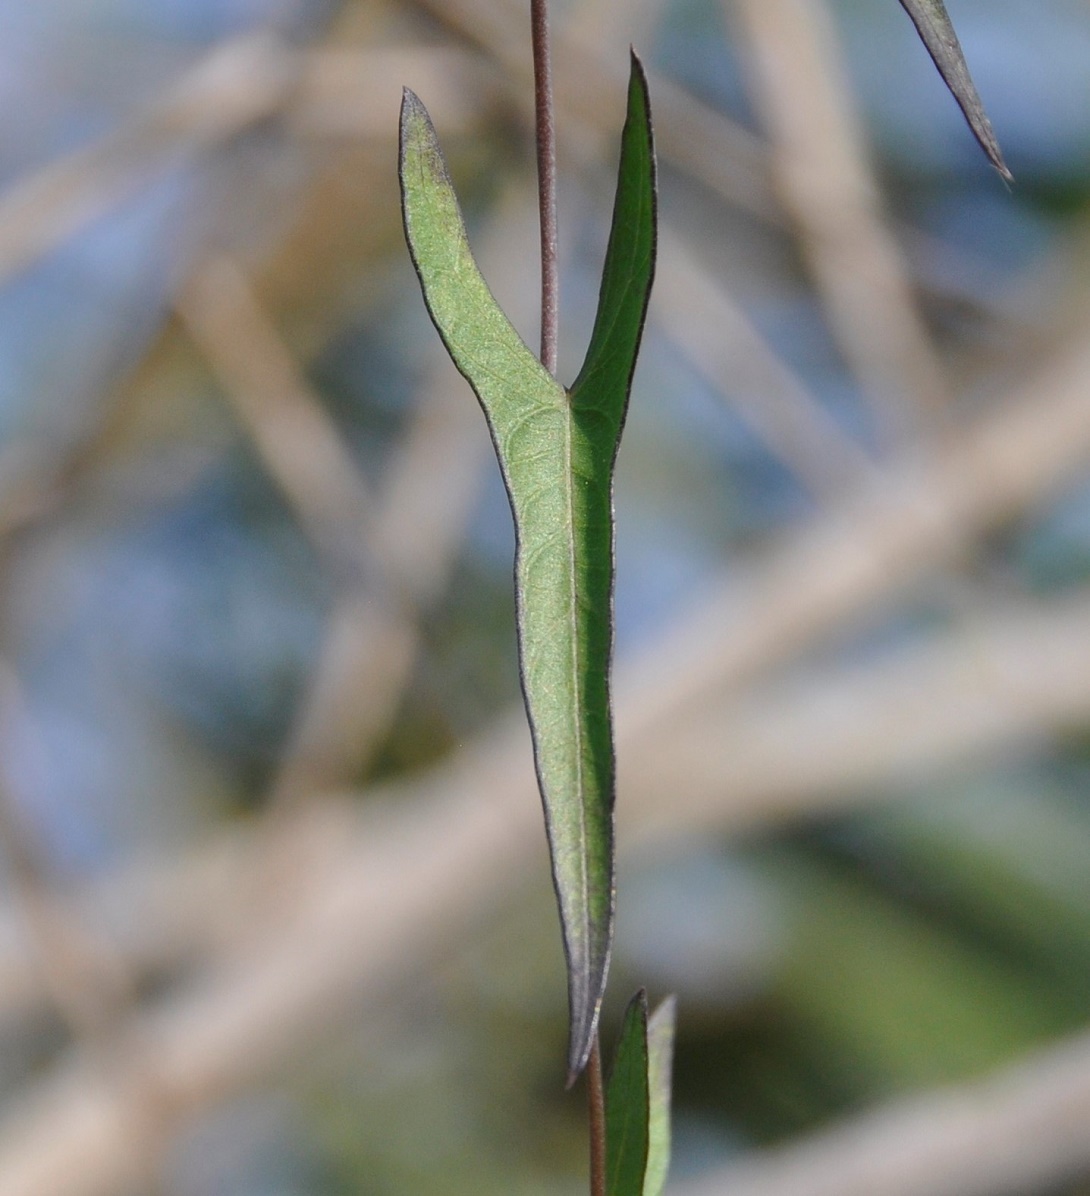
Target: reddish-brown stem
(596, 1116)
(546, 181)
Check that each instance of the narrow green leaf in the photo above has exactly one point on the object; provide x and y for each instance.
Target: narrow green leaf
(556, 451)
(628, 1105)
(937, 32)
(638, 1101)
(659, 1078)
(606, 376)
(660, 1062)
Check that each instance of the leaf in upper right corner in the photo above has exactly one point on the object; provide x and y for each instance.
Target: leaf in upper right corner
(937, 32)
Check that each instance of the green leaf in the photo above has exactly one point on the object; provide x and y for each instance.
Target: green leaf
(935, 28)
(660, 1059)
(638, 1101)
(628, 1105)
(556, 451)
(604, 381)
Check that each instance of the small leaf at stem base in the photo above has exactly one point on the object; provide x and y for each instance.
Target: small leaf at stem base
(628, 1105)
(638, 1102)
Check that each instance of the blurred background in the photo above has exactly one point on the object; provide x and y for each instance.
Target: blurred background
(276, 914)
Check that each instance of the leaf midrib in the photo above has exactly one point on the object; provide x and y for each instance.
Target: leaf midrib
(573, 618)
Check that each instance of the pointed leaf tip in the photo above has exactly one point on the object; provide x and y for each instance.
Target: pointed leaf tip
(936, 30)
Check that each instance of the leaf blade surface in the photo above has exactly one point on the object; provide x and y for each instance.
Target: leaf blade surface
(628, 1105)
(660, 1057)
(556, 451)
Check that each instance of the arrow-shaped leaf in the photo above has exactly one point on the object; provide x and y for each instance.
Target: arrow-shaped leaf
(937, 31)
(556, 451)
(638, 1101)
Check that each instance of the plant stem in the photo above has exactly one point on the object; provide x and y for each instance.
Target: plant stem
(596, 1116)
(546, 181)
(550, 289)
